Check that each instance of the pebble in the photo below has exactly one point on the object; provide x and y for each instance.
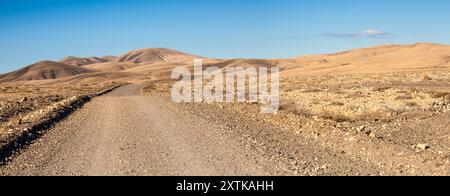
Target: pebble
(422, 147)
(24, 99)
(360, 129)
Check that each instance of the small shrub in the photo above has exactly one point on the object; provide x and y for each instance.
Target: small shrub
(404, 97)
(291, 107)
(315, 102)
(334, 116)
(378, 115)
(411, 104)
(413, 90)
(355, 94)
(427, 78)
(439, 94)
(336, 90)
(337, 103)
(381, 88)
(312, 90)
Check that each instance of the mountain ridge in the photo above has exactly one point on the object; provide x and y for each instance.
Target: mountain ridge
(44, 70)
(160, 61)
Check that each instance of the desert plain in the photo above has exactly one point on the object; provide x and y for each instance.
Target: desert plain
(382, 110)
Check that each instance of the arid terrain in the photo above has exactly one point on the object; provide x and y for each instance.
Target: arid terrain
(376, 111)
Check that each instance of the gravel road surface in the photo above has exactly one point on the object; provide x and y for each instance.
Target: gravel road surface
(126, 133)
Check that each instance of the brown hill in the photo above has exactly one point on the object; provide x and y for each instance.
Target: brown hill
(44, 70)
(153, 55)
(380, 59)
(111, 66)
(158, 63)
(76, 61)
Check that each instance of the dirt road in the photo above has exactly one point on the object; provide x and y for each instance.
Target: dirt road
(126, 133)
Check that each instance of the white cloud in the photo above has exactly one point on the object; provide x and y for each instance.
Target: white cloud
(369, 33)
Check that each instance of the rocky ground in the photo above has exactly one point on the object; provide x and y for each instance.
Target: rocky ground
(128, 133)
(383, 124)
(28, 110)
(397, 121)
(19, 99)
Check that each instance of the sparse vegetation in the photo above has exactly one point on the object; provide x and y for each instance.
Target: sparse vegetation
(436, 95)
(411, 104)
(404, 97)
(356, 94)
(17, 101)
(368, 116)
(354, 98)
(378, 115)
(334, 116)
(427, 78)
(290, 106)
(337, 103)
(381, 88)
(312, 90)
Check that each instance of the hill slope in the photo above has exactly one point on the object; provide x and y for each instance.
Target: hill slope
(111, 66)
(159, 62)
(44, 70)
(153, 55)
(380, 59)
(76, 61)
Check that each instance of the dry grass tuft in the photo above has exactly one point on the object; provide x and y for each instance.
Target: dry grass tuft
(291, 107)
(337, 103)
(312, 90)
(381, 88)
(426, 78)
(437, 95)
(356, 94)
(404, 97)
(411, 104)
(378, 115)
(334, 116)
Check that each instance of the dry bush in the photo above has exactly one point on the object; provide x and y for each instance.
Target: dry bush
(291, 88)
(336, 90)
(411, 104)
(381, 88)
(403, 92)
(413, 90)
(312, 90)
(436, 95)
(334, 116)
(353, 107)
(337, 103)
(378, 115)
(315, 102)
(404, 97)
(426, 78)
(355, 94)
(291, 107)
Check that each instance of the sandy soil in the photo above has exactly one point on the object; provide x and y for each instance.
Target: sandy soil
(376, 111)
(129, 132)
(124, 133)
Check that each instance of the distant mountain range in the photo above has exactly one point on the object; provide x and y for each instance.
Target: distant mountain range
(145, 64)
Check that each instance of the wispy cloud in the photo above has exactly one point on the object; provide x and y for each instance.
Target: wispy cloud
(369, 33)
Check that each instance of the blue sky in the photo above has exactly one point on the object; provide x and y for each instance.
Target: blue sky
(34, 30)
